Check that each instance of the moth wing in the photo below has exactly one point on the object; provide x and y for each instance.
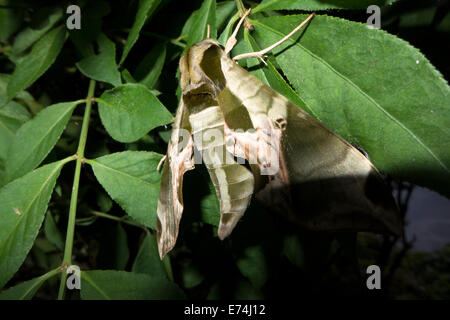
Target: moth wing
(320, 180)
(179, 159)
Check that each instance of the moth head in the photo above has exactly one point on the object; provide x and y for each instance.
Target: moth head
(201, 72)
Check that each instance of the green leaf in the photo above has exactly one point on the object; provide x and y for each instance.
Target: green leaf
(373, 89)
(10, 20)
(51, 231)
(27, 289)
(36, 138)
(293, 250)
(147, 260)
(127, 77)
(311, 5)
(29, 35)
(145, 10)
(130, 111)
(131, 179)
(119, 285)
(93, 13)
(102, 67)
(41, 57)
(149, 69)
(223, 12)
(210, 207)
(252, 264)
(23, 204)
(12, 116)
(196, 26)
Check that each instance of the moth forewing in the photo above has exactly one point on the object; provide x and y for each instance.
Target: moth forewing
(179, 159)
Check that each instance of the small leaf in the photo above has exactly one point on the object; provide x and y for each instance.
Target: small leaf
(36, 138)
(23, 204)
(27, 289)
(30, 35)
(210, 207)
(197, 23)
(252, 264)
(33, 65)
(52, 233)
(127, 77)
(10, 19)
(130, 111)
(149, 69)
(145, 10)
(131, 179)
(102, 67)
(119, 285)
(147, 260)
(312, 5)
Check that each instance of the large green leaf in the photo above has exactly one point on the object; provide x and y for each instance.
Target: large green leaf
(119, 285)
(27, 289)
(145, 10)
(102, 66)
(47, 16)
(196, 27)
(147, 259)
(23, 203)
(41, 57)
(36, 138)
(10, 19)
(130, 111)
(267, 5)
(372, 88)
(131, 179)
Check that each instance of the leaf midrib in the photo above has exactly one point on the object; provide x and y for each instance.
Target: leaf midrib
(390, 116)
(96, 162)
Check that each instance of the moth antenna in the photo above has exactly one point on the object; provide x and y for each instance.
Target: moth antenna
(161, 162)
(261, 53)
(231, 42)
(208, 31)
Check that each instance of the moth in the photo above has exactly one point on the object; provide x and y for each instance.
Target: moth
(256, 143)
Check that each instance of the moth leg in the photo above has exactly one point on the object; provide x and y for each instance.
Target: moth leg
(161, 162)
(260, 54)
(231, 42)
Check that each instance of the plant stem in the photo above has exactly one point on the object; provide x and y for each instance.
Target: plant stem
(67, 260)
(123, 219)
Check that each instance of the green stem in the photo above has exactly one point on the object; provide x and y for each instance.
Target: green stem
(123, 219)
(67, 260)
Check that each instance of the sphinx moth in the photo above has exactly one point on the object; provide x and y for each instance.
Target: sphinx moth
(292, 162)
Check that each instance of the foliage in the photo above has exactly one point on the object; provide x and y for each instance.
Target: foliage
(96, 168)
